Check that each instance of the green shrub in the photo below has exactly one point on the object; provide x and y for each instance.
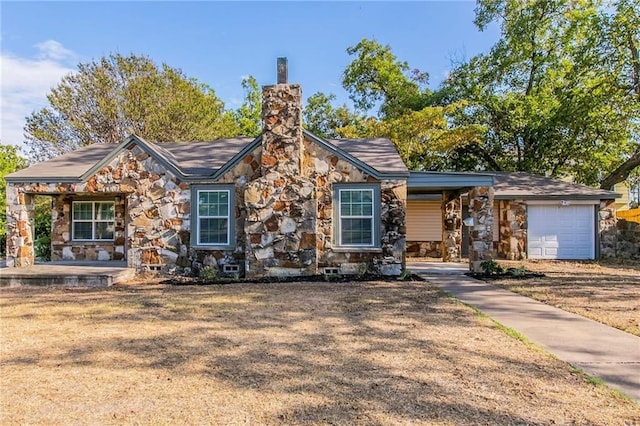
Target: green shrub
(491, 267)
(208, 273)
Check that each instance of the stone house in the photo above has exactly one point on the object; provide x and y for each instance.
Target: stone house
(252, 207)
(286, 203)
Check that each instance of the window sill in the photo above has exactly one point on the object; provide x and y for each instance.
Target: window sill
(212, 248)
(356, 249)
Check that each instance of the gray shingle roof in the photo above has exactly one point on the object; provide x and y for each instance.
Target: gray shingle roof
(71, 165)
(203, 158)
(521, 185)
(379, 153)
(200, 159)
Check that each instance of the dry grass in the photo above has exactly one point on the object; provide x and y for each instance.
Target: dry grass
(605, 292)
(373, 353)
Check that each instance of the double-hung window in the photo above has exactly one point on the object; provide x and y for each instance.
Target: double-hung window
(92, 220)
(214, 220)
(358, 215)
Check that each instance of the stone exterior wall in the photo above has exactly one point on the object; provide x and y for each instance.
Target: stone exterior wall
(327, 170)
(628, 246)
(62, 246)
(481, 235)
(619, 238)
(20, 214)
(513, 230)
(283, 217)
(154, 206)
(451, 227)
(424, 249)
(607, 223)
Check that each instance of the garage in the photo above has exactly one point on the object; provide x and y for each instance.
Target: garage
(561, 230)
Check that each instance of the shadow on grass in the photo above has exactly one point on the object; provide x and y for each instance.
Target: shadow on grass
(366, 350)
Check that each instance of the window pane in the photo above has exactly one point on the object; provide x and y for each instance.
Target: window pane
(82, 211)
(105, 211)
(357, 231)
(213, 203)
(213, 231)
(104, 230)
(356, 203)
(82, 231)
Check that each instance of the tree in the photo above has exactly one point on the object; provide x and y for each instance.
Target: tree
(553, 93)
(10, 161)
(249, 116)
(377, 77)
(424, 138)
(408, 113)
(110, 98)
(323, 119)
(624, 37)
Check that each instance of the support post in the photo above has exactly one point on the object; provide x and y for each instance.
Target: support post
(451, 227)
(19, 227)
(481, 235)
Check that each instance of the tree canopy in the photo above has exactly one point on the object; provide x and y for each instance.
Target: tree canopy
(107, 99)
(556, 93)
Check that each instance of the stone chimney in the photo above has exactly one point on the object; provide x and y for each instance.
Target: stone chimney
(282, 125)
(281, 206)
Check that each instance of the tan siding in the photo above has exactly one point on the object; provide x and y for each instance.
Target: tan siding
(424, 220)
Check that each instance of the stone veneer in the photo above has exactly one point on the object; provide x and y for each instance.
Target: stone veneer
(607, 228)
(424, 248)
(327, 169)
(451, 227)
(481, 235)
(20, 215)
(280, 225)
(512, 244)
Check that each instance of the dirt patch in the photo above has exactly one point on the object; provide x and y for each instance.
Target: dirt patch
(605, 292)
(297, 353)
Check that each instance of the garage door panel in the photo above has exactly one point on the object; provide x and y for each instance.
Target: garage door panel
(561, 232)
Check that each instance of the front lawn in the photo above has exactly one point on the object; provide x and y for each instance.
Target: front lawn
(296, 353)
(605, 292)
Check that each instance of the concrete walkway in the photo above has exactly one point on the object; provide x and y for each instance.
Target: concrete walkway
(68, 273)
(602, 351)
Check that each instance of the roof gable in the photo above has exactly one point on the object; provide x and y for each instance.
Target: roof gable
(376, 156)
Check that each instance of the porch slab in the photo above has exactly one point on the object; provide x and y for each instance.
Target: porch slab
(67, 273)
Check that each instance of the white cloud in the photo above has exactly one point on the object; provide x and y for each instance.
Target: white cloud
(54, 50)
(24, 84)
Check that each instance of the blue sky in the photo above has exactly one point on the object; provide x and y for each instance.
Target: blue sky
(221, 42)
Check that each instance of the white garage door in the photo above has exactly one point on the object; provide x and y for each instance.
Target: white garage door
(561, 232)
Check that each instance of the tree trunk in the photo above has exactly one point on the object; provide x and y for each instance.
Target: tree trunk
(622, 172)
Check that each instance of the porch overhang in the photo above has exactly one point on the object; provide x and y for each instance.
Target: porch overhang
(425, 183)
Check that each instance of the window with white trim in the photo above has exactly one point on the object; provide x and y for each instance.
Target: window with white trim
(358, 213)
(213, 225)
(92, 220)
